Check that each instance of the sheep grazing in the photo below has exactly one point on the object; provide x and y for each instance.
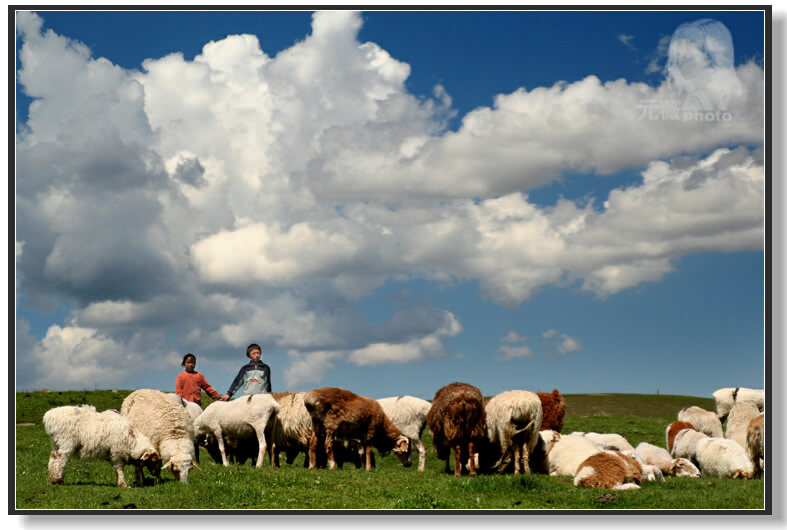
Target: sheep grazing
(513, 421)
(539, 455)
(239, 419)
(673, 429)
(338, 413)
(194, 411)
(702, 420)
(553, 406)
(457, 420)
(168, 426)
(658, 456)
(755, 443)
(738, 421)
(610, 470)
(719, 457)
(727, 397)
(84, 433)
(408, 413)
(291, 430)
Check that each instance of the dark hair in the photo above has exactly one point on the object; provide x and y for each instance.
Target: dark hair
(251, 348)
(186, 358)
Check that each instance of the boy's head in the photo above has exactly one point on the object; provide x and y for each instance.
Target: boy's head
(252, 348)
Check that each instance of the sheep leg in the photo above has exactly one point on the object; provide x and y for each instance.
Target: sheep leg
(220, 441)
(329, 450)
(471, 454)
(517, 459)
(368, 450)
(118, 466)
(262, 443)
(312, 457)
(457, 460)
(421, 455)
(57, 466)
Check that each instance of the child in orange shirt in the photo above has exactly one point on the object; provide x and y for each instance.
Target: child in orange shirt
(190, 383)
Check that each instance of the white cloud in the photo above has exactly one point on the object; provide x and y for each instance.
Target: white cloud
(564, 344)
(240, 197)
(513, 348)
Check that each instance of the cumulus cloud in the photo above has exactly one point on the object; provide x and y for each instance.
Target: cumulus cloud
(242, 197)
(513, 347)
(564, 344)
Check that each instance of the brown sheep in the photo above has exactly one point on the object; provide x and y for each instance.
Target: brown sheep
(755, 442)
(457, 420)
(673, 429)
(609, 470)
(338, 413)
(554, 406)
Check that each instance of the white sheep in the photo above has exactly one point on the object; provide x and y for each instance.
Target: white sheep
(192, 408)
(291, 429)
(738, 421)
(727, 397)
(685, 445)
(610, 441)
(568, 453)
(239, 418)
(409, 413)
(513, 421)
(88, 435)
(703, 420)
(719, 457)
(168, 426)
(194, 411)
(650, 454)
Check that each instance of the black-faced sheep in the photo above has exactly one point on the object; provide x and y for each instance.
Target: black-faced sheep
(457, 420)
(84, 433)
(553, 406)
(168, 426)
(239, 419)
(408, 413)
(337, 413)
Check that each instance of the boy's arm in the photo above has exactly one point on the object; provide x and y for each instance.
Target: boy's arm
(237, 382)
(268, 389)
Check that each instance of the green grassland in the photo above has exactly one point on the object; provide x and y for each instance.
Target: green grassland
(640, 418)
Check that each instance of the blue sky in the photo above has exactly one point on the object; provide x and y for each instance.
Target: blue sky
(389, 201)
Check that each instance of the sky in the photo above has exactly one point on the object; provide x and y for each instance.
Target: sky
(389, 202)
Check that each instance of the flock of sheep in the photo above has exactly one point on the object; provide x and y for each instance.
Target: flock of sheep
(517, 430)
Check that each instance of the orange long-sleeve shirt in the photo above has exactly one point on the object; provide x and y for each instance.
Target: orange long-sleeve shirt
(189, 386)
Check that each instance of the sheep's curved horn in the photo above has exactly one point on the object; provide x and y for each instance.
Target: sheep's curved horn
(168, 464)
(193, 463)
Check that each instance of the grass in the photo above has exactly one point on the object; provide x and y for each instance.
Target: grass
(90, 485)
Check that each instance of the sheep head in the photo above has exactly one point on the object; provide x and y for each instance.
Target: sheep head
(683, 468)
(180, 466)
(402, 450)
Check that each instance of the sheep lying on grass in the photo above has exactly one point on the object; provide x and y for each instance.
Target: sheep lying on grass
(84, 433)
(660, 457)
(610, 470)
(702, 420)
